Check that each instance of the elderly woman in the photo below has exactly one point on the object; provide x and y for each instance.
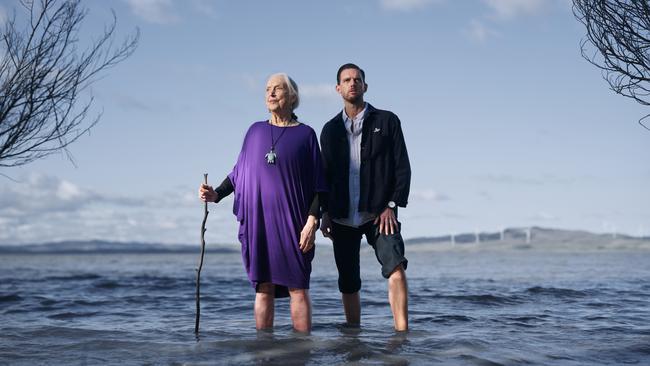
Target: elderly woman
(276, 181)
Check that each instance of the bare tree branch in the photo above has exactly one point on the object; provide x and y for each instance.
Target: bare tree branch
(42, 75)
(618, 42)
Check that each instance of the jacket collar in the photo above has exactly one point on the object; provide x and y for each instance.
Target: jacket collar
(369, 110)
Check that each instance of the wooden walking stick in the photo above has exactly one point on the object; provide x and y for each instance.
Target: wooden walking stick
(198, 270)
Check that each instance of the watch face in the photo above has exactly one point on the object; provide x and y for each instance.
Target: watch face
(391, 204)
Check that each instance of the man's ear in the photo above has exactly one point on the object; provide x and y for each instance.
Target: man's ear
(338, 88)
(365, 87)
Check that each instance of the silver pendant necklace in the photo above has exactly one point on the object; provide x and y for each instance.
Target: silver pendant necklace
(271, 156)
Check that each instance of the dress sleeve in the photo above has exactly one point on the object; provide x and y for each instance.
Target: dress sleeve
(224, 189)
(314, 209)
(236, 178)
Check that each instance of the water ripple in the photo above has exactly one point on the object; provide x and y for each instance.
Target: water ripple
(484, 299)
(72, 315)
(465, 309)
(72, 277)
(556, 292)
(10, 298)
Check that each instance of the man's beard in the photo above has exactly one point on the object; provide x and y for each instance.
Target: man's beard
(356, 99)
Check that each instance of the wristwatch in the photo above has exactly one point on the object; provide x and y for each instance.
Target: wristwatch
(391, 204)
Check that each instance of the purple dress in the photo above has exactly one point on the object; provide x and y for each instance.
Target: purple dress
(272, 203)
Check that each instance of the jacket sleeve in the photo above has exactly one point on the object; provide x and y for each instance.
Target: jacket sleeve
(402, 166)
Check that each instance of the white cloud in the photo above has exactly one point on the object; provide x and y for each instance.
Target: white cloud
(418, 195)
(508, 9)
(543, 216)
(316, 91)
(481, 29)
(165, 11)
(405, 5)
(511, 179)
(154, 11)
(68, 191)
(453, 215)
(205, 7)
(255, 83)
(45, 208)
(49, 195)
(479, 32)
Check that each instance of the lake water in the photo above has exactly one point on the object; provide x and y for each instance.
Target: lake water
(466, 308)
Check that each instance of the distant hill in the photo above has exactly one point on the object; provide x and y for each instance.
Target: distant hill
(533, 238)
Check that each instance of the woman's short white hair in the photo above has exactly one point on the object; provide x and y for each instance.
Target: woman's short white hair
(292, 88)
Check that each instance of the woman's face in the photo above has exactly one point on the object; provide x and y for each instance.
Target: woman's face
(278, 98)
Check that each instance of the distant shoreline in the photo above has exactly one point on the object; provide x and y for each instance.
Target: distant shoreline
(534, 238)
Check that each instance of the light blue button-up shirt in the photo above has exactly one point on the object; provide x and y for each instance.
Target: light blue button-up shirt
(354, 127)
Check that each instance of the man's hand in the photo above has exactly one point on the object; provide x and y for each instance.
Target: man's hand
(387, 222)
(308, 234)
(326, 226)
(207, 193)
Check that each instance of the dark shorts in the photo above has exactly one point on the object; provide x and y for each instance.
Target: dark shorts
(389, 250)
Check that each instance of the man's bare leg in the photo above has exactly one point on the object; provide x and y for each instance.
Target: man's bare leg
(398, 298)
(300, 310)
(352, 308)
(264, 305)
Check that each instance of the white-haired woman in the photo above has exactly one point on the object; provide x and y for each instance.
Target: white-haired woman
(276, 180)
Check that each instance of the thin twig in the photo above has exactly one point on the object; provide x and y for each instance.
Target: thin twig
(198, 270)
(617, 41)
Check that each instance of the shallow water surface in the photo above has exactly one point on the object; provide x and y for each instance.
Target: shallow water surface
(466, 308)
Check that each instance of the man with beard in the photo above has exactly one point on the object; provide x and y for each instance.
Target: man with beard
(368, 174)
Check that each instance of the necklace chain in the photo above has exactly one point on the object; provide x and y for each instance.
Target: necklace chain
(276, 141)
(271, 156)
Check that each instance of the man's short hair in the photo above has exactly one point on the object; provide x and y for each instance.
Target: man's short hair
(349, 66)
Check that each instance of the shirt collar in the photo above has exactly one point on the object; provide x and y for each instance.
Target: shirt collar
(358, 119)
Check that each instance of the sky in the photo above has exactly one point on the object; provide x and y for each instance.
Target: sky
(506, 124)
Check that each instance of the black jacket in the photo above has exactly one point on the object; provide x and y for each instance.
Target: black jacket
(385, 169)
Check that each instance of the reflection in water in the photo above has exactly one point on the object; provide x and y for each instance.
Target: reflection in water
(357, 344)
(268, 349)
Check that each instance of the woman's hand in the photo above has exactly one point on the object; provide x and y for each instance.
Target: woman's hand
(207, 193)
(308, 234)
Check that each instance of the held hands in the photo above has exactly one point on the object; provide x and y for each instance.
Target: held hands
(207, 193)
(326, 226)
(308, 234)
(387, 222)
